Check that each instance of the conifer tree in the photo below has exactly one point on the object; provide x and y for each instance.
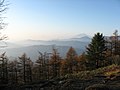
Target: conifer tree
(71, 60)
(13, 72)
(115, 48)
(3, 69)
(55, 63)
(41, 64)
(81, 62)
(26, 69)
(96, 52)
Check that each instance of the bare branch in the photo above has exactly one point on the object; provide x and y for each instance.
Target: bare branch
(3, 37)
(3, 8)
(1, 2)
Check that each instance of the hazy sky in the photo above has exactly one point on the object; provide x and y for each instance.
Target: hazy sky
(55, 19)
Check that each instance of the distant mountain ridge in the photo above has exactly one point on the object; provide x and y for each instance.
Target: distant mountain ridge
(82, 35)
(83, 38)
(31, 47)
(32, 51)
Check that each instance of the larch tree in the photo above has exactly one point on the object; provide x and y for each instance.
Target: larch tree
(3, 69)
(55, 64)
(71, 60)
(41, 64)
(13, 71)
(81, 62)
(115, 47)
(25, 68)
(63, 68)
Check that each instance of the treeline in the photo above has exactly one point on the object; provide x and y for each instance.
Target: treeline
(102, 51)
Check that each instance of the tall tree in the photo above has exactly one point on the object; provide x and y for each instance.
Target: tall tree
(42, 68)
(25, 68)
(114, 44)
(96, 52)
(3, 69)
(13, 72)
(71, 60)
(55, 63)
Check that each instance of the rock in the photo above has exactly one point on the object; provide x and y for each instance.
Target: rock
(97, 87)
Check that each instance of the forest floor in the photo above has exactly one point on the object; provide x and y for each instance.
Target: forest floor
(97, 83)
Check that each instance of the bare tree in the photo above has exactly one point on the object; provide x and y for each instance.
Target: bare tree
(3, 8)
(25, 65)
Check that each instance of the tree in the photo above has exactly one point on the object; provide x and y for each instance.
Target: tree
(81, 62)
(113, 48)
(13, 71)
(25, 68)
(3, 69)
(42, 66)
(3, 59)
(55, 64)
(63, 68)
(3, 8)
(96, 52)
(71, 60)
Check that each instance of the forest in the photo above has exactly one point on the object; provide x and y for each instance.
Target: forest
(101, 58)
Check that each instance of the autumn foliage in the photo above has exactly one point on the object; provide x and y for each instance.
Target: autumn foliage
(99, 53)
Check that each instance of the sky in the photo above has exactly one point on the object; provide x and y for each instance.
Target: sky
(58, 19)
